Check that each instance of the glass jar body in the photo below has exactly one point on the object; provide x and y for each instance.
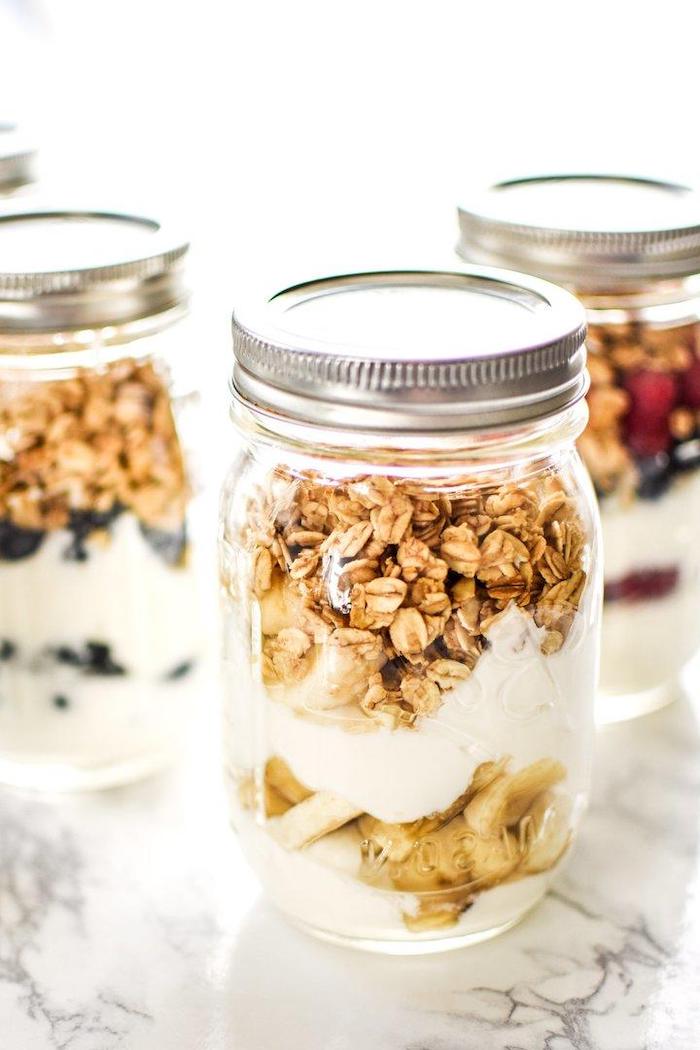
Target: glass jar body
(410, 653)
(642, 448)
(98, 606)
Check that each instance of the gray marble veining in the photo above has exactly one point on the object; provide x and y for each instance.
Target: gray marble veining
(129, 920)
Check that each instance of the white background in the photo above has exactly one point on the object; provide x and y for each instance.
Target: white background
(299, 135)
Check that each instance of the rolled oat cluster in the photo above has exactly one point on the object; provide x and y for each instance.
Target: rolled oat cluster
(99, 442)
(389, 588)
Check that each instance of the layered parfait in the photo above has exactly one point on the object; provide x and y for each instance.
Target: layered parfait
(410, 669)
(96, 586)
(642, 448)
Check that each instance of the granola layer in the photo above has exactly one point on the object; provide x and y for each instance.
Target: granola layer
(381, 592)
(76, 453)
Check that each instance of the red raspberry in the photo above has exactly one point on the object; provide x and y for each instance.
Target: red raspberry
(652, 396)
(690, 385)
(643, 585)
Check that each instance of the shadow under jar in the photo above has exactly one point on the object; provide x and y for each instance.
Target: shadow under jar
(411, 602)
(630, 249)
(98, 625)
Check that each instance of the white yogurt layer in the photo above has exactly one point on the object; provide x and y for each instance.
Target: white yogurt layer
(646, 643)
(652, 534)
(123, 595)
(319, 886)
(517, 702)
(109, 721)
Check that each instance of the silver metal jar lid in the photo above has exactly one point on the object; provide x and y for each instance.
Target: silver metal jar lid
(591, 231)
(63, 268)
(16, 158)
(413, 350)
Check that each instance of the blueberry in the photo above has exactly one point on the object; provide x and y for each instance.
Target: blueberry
(99, 661)
(95, 658)
(65, 655)
(17, 543)
(170, 546)
(655, 474)
(82, 523)
(7, 649)
(179, 671)
(61, 702)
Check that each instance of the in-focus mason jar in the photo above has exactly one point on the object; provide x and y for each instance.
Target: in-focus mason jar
(408, 559)
(98, 617)
(17, 157)
(630, 249)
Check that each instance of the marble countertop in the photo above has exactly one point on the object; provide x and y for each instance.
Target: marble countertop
(129, 920)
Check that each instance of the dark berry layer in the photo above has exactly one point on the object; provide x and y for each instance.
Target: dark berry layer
(170, 546)
(82, 524)
(17, 543)
(95, 659)
(642, 586)
(7, 649)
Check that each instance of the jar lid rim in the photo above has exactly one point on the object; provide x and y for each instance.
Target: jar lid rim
(45, 284)
(555, 225)
(512, 349)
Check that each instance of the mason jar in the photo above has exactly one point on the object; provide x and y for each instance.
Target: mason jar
(630, 249)
(409, 550)
(98, 618)
(17, 157)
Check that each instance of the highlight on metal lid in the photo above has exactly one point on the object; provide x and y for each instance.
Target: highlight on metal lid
(587, 229)
(412, 350)
(70, 267)
(17, 156)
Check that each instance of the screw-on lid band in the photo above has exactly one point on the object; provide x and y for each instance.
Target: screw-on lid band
(587, 230)
(413, 350)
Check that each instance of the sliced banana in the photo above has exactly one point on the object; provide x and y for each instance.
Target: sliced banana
(278, 606)
(545, 832)
(508, 797)
(528, 783)
(494, 859)
(486, 773)
(309, 820)
(398, 840)
(275, 802)
(279, 777)
(395, 840)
